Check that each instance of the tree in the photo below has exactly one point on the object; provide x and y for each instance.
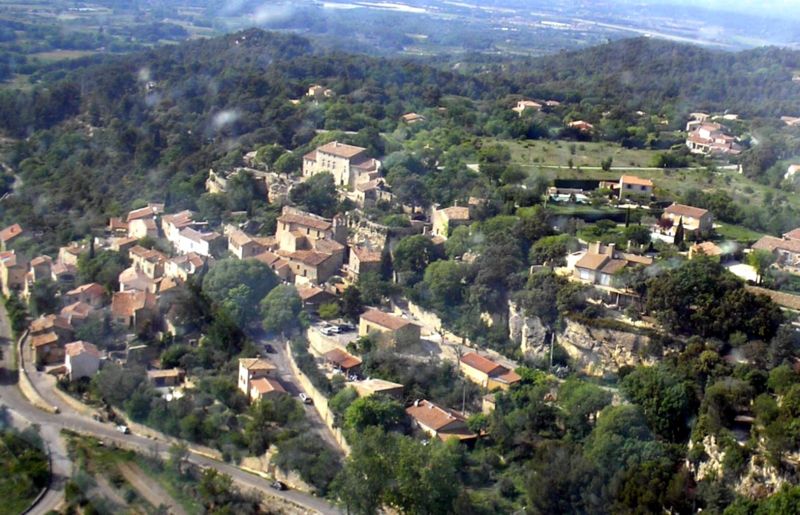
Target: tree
(281, 309)
(761, 260)
(638, 234)
(606, 163)
(103, 268)
(412, 255)
(581, 402)
(316, 195)
(446, 282)
(352, 305)
(43, 298)
(677, 240)
(667, 400)
(374, 410)
(239, 286)
(552, 250)
(329, 310)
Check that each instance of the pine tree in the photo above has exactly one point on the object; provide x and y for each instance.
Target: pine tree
(679, 233)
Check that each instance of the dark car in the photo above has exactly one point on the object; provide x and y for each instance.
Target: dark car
(269, 348)
(277, 485)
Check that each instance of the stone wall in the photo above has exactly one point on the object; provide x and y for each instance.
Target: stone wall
(429, 320)
(320, 403)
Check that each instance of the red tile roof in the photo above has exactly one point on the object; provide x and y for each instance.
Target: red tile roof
(794, 234)
(342, 359)
(385, 319)
(686, 211)
(265, 385)
(80, 347)
(480, 363)
(10, 232)
(632, 179)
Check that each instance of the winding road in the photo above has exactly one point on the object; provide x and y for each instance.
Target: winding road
(23, 413)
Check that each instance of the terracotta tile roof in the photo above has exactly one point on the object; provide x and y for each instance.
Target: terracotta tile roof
(307, 293)
(265, 385)
(613, 266)
(632, 179)
(10, 232)
(480, 363)
(188, 232)
(239, 238)
(256, 364)
(47, 322)
(433, 416)
(63, 268)
(41, 260)
(311, 156)
(179, 220)
(117, 223)
(126, 303)
(341, 150)
(686, 211)
(772, 243)
(308, 257)
(385, 319)
(305, 220)
(81, 347)
(89, 288)
(268, 258)
(365, 164)
(342, 358)
(144, 212)
(78, 309)
(328, 246)
(794, 234)
(509, 377)
(592, 261)
(456, 212)
(44, 339)
(709, 248)
(412, 117)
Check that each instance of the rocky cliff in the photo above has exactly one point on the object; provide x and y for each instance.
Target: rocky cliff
(594, 350)
(599, 351)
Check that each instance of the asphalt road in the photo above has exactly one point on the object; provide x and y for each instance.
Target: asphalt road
(52, 424)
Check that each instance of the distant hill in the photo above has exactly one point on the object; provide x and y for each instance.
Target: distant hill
(651, 74)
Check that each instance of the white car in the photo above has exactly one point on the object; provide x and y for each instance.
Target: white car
(305, 398)
(123, 429)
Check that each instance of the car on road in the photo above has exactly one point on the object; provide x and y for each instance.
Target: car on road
(269, 348)
(278, 485)
(346, 328)
(305, 398)
(123, 429)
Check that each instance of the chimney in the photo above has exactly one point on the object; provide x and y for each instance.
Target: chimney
(594, 247)
(610, 249)
(416, 403)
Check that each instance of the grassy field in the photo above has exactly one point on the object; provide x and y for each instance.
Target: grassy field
(549, 159)
(61, 55)
(589, 154)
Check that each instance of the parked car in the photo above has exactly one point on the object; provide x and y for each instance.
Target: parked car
(269, 348)
(123, 429)
(305, 398)
(277, 485)
(346, 328)
(330, 331)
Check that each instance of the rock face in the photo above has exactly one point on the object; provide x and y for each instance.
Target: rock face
(527, 332)
(598, 351)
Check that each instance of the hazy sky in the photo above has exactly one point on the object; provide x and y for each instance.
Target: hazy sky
(772, 8)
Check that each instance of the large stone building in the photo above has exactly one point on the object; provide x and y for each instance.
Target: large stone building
(389, 330)
(348, 164)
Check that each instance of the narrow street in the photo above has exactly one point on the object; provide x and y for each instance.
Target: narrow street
(50, 425)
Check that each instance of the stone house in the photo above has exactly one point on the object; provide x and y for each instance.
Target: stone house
(486, 373)
(390, 330)
(82, 359)
(439, 422)
(348, 164)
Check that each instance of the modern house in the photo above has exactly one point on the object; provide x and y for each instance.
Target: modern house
(439, 422)
(487, 373)
(786, 250)
(524, 105)
(635, 188)
(711, 139)
(82, 359)
(348, 164)
(601, 262)
(265, 388)
(390, 330)
(693, 219)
